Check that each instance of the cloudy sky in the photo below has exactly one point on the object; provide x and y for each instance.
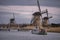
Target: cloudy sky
(23, 10)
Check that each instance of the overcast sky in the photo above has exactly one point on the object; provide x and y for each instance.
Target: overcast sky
(23, 10)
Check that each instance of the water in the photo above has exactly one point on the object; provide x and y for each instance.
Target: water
(21, 35)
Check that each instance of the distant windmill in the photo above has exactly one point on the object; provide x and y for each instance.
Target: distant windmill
(46, 19)
(12, 20)
(12, 23)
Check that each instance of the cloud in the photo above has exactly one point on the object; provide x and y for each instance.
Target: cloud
(24, 9)
(50, 3)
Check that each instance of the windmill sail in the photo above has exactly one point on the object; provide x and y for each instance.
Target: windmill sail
(47, 12)
(13, 16)
(38, 6)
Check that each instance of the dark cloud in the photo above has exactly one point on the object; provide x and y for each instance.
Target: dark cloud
(51, 3)
(5, 16)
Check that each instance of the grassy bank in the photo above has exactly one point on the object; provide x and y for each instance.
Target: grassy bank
(54, 29)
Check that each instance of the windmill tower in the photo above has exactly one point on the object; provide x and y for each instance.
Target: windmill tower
(36, 21)
(46, 19)
(12, 22)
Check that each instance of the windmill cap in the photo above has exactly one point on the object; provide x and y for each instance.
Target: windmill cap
(45, 18)
(36, 13)
(12, 19)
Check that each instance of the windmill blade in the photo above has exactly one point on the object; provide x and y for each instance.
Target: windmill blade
(38, 6)
(13, 16)
(47, 12)
(50, 16)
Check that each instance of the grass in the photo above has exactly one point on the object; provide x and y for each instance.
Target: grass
(54, 29)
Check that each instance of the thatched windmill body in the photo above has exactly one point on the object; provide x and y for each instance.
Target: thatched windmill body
(36, 21)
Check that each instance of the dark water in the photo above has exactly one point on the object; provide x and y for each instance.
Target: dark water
(15, 35)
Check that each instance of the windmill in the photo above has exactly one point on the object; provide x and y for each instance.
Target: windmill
(12, 20)
(36, 21)
(37, 17)
(46, 19)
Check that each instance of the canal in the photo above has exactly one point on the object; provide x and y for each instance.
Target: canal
(26, 35)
